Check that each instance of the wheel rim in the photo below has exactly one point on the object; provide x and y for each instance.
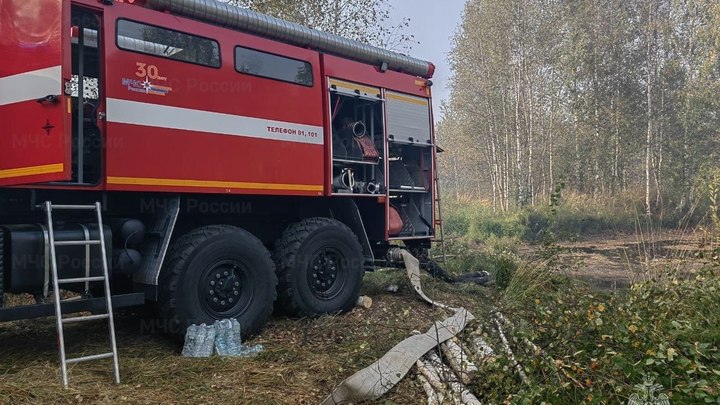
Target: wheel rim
(225, 288)
(327, 274)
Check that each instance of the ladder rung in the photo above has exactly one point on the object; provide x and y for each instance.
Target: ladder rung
(77, 242)
(89, 358)
(70, 207)
(85, 318)
(80, 280)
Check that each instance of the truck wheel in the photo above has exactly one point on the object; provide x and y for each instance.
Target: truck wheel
(320, 267)
(217, 272)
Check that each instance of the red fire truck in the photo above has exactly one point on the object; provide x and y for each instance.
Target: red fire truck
(204, 159)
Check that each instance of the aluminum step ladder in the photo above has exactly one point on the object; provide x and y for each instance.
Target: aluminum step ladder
(56, 282)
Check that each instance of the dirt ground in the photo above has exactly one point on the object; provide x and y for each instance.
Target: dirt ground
(614, 261)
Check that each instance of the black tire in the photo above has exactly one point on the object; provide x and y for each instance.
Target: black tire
(217, 272)
(320, 268)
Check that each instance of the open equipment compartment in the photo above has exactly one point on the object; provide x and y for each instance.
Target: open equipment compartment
(410, 179)
(358, 135)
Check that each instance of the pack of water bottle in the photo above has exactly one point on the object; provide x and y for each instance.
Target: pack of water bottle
(199, 341)
(223, 337)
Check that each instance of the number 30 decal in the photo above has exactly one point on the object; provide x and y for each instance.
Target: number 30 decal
(148, 71)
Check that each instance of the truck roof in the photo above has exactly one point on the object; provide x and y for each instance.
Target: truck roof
(245, 20)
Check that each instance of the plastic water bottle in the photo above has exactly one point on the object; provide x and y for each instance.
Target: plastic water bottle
(201, 336)
(190, 345)
(222, 337)
(218, 338)
(251, 351)
(235, 340)
(209, 346)
(206, 342)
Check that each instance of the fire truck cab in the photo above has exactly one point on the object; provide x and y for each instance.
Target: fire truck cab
(243, 163)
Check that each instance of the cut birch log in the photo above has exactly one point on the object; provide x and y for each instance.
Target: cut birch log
(458, 391)
(510, 353)
(481, 349)
(364, 302)
(433, 398)
(458, 360)
(432, 375)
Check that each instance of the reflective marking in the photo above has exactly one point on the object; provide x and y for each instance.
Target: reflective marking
(407, 98)
(32, 170)
(140, 181)
(163, 116)
(30, 85)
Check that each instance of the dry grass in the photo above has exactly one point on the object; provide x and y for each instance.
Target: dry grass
(303, 361)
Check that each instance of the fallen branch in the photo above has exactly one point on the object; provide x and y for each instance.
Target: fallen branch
(533, 347)
(536, 351)
(510, 354)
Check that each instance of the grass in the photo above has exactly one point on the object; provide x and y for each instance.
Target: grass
(597, 344)
(303, 361)
(573, 215)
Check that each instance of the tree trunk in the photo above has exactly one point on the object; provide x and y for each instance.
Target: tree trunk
(650, 114)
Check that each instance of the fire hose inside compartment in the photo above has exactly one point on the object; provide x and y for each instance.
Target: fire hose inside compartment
(357, 144)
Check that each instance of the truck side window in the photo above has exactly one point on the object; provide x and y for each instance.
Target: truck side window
(263, 64)
(166, 43)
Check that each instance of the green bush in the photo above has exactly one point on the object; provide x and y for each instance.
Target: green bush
(504, 266)
(571, 216)
(497, 258)
(478, 222)
(598, 346)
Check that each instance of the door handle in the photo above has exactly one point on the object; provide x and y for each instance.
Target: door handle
(49, 99)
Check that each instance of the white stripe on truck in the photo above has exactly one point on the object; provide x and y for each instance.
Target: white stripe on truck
(31, 85)
(163, 116)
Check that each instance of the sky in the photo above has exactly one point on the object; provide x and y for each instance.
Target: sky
(434, 23)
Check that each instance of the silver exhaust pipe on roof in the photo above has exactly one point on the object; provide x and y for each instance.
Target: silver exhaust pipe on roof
(252, 22)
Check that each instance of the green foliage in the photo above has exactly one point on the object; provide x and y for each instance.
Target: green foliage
(714, 199)
(612, 96)
(498, 258)
(367, 21)
(505, 266)
(565, 218)
(478, 222)
(597, 347)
